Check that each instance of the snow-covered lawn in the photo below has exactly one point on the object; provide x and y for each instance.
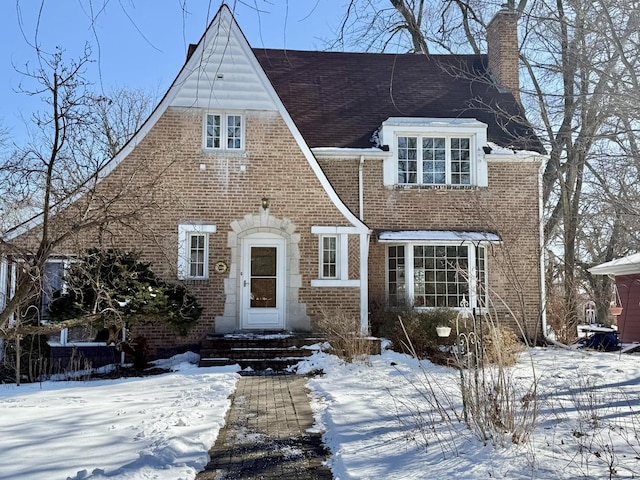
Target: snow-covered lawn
(378, 422)
(158, 427)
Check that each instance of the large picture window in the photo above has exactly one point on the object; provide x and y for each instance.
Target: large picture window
(434, 160)
(432, 275)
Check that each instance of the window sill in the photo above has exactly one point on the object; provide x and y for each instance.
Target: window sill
(224, 152)
(443, 188)
(321, 282)
(193, 280)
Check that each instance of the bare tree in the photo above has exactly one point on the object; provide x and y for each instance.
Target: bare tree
(57, 174)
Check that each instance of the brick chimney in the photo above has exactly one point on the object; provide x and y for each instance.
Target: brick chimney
(502, 50)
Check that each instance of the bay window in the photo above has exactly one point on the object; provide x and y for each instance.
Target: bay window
(436, 275)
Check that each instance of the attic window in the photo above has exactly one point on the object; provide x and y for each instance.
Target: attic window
(434, 160)
(435, 152)
(223, 131)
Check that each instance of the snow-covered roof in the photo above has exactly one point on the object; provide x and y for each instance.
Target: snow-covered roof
(620, 266)
(436, 235)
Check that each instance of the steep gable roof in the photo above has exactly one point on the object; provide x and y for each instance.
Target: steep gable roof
(340, 99)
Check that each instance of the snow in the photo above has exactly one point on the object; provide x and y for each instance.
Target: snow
(377, 418)
(432, 235)
(158, 427)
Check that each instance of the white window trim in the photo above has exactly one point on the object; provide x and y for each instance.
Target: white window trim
(342, 256)
(476, 131)
(409, 274)
(448, 159)
(185, 230)
(223, 131)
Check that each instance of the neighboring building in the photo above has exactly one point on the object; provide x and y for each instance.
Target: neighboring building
(295, 182)
(626, 272)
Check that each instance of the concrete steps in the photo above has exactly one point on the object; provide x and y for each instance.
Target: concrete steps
(258, 351)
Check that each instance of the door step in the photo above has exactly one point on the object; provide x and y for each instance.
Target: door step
(275, 351)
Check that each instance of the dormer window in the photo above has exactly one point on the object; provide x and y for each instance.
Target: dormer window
(435, 152)
(223, 131)
(431, 160)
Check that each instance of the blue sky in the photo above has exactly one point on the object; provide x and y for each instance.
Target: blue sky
(141, 43)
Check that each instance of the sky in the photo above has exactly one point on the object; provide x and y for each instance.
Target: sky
(140, 44)
(384, 418)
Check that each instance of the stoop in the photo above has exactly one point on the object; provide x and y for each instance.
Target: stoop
(257, 351)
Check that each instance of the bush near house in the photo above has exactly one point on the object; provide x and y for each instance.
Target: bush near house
(414, 331)
(114, 289)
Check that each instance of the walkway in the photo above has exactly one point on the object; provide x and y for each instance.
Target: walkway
(266, 434)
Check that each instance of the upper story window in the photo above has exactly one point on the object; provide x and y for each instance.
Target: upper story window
(434, 160)
(193, 251)
(223, 131)
(435, 152)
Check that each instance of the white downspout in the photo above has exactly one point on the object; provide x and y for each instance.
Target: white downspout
(364, 284)
(364, 257)
(361, 189)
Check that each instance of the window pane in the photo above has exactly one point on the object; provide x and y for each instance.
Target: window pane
(329, 257)
(197, 255)
(234, 132)
(263, 277)
(440, 275)
(407, 159)
(263, 261)
(213, 131)
(481, 275)
(395, 267)
(52, 284)
(433, 156)
(460, 161)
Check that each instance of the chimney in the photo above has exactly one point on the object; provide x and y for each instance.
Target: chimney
(502, 50)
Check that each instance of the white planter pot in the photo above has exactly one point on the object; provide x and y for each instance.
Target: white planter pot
(443, 331)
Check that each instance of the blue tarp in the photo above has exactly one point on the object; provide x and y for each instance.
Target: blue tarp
(606, 342)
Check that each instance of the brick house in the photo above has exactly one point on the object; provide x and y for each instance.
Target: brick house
(294, 182)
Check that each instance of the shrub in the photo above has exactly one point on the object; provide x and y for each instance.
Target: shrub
(342, 334)
(414, 331)
(501, 345)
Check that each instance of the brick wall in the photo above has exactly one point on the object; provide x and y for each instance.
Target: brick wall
(168, 180)
(508, 206)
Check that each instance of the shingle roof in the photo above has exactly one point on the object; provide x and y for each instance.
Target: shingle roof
(340, 99)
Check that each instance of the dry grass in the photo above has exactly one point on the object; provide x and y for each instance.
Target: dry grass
(342, 334)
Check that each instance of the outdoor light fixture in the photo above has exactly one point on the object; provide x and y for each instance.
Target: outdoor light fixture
(265, 203)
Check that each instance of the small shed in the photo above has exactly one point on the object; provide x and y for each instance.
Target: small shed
(626, 272)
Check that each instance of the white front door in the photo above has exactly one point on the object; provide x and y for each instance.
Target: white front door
(262, 281)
